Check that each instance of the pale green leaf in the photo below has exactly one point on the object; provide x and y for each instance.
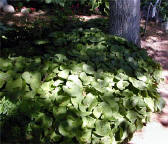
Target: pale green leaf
(27, 76)
(131, 115)
(97, 111)
(88, 69)
(73, 90)
(88, 122)
(137, 83)
(63, 74)
(150, 103)
(69, 126)
(102, 128)
(122, 84)
(75, 80)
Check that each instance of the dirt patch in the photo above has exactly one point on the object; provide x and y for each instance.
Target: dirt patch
(156, 43)
(19, 19)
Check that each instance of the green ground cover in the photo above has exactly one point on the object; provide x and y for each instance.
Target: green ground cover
(70, 82)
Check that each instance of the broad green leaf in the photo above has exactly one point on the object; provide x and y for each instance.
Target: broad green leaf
(107, 111)
(4, 76)
(102, 128)
(82, 107)
(77, 68)
(32, 78)
(85, 137)
(83, 76)
(141, 77)
(97, 86)
(89, 98)
(35, 80)
(76, 102)
(55, 137)
(69, 126)
(59, 111)
(63, 74)
(111, 103)
(13, 84)
(95, 139)
(27, 76)
(97, 111)
(88, 122)
(121, 76)
(109, 81)
(62, 100)
(93, 105)
(137, 84)
(60, 58)
(73, 89)
(88, 69)
(150, 103)
(58, 82)
(107, 140)
(85, 79)
(122, 84)
(44, 120)
(75, 80)
(132, 116)
(127, 93)
(5, 64)
(139, 124)
(46, 86)
(29, 95)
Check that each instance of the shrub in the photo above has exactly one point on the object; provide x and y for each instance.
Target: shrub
(91, 88)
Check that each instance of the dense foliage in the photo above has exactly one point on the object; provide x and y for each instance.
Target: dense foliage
(92, 6)
(96, 6)
(74, 86)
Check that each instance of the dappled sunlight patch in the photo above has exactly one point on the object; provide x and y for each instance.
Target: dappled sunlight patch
(18, 15)
(87, 18)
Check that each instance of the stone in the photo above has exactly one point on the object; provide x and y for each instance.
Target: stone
(25, 11)
(8, 9)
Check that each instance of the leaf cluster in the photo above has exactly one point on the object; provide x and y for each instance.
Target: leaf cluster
(92, 88)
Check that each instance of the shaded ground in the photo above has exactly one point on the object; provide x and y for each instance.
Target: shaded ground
(20, 19)
(156, 44)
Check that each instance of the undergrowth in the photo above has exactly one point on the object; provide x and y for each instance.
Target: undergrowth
(77, 85)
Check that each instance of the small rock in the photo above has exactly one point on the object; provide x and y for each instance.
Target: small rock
(25, 11)
(8, 9)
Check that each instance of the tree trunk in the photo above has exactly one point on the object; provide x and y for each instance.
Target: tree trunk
(125, 19)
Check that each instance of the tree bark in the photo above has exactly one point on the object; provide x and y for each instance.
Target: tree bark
(125, 19)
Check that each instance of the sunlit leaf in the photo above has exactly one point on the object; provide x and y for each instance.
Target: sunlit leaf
(122, 84)
(102, 128)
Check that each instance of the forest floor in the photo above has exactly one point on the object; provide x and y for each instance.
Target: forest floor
(156, 43)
